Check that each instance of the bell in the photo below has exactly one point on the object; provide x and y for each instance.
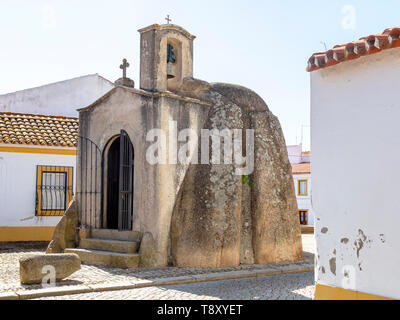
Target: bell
(170, 74)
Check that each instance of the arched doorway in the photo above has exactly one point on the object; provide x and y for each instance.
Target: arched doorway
(119, 174)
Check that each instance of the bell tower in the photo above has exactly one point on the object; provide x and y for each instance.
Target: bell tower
(166, 57)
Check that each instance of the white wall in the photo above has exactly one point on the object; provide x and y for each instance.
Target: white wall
(355, 114)
(18, 187)
(306, 157)
(304, 202)
(61, 98)
(294, 153)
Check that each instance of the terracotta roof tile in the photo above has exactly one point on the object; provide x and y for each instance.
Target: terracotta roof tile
(390, 38)
(301, 168)
(21, 128)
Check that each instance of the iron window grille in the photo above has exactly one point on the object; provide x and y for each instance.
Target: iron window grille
(303, 215)
(54, 190)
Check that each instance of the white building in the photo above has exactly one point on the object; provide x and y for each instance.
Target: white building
(355, 140)
(60, 98)
(37, 174)
(38, 139)
(301, 171)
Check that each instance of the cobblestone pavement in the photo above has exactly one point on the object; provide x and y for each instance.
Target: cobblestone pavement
(283, 287)
(90, 275)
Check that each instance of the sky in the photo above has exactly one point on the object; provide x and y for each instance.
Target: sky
(262, 45)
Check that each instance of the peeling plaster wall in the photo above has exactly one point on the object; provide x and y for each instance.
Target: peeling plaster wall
(355, 112)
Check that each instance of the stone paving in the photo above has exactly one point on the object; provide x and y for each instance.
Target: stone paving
(92, 275)
(283, 287)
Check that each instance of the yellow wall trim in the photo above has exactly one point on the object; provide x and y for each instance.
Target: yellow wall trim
(325, 292)
(68, 171)
(14, 234)
(68, 152)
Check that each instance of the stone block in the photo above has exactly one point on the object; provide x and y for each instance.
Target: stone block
(106, 258)
(147, 251)
(33, 267)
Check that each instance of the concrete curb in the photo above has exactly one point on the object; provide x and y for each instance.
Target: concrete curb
(207, 277)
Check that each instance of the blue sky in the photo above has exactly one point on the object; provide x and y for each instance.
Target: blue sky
(263, 45)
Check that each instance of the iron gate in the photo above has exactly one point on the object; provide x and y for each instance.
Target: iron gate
(89, 183)
(125, 183)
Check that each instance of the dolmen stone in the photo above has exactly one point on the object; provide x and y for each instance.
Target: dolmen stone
(223, 219)
(65, 233)
(34, 267)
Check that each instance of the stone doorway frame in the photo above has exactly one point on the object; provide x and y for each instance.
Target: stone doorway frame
(105, 154)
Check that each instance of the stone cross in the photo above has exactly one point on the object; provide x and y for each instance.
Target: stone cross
(124, 66)
(168, 19)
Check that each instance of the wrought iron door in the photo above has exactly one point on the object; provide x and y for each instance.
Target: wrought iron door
(125, 205)
(89, 176)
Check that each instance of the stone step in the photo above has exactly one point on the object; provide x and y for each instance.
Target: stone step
(106, 258)
(111, 234)
(109, 245)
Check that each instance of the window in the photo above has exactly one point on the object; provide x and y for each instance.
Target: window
(303, 215)
(301, 187)
(53, 190)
